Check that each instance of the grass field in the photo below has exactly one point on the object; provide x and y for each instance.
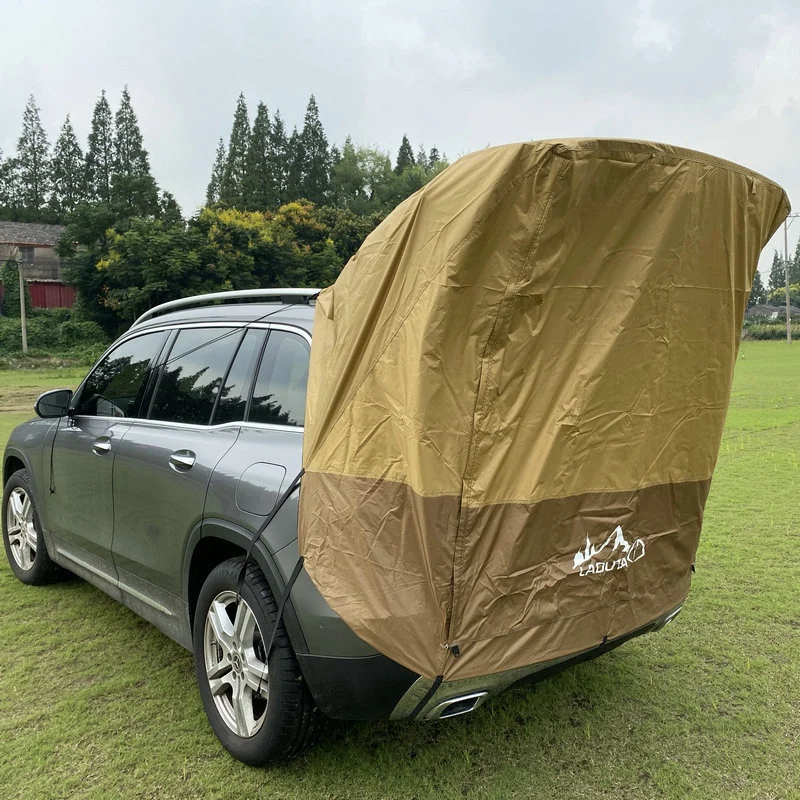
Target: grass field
(96, 703)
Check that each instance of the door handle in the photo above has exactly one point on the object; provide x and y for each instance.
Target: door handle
(182, 460)
(101, 445)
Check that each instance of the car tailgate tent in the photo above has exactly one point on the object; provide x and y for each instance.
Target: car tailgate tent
(516, 396)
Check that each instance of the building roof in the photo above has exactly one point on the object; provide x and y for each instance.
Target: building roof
(761, 309)
(30, 233)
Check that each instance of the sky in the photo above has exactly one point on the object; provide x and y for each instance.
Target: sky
(722, 77)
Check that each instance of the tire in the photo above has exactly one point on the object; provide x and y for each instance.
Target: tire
(22, 534)
(259, 715)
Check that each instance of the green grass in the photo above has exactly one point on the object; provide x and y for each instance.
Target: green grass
(96, 703)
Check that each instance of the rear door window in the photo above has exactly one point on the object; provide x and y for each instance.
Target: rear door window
(279, 395)
(193, 373)
(232, 402)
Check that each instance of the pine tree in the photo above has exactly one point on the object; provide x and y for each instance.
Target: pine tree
(347, 178)
(100, 153)
(33, 160)
(422, 158)
(217, 171)
(295, 159)
(794, 267)
(278, 162)
(259, 187)
(433, 158)
(69, 176)
(315, 183)
(130, 157)
(758, 294)
(777, 274)
(232, 186)
(9, 188)
(405, 156)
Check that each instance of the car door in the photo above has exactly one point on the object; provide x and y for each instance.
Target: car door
(80, 503)
(164, 463)
(268, 453)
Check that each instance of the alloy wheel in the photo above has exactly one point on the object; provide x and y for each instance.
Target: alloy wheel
(235, 663)
(22, 536)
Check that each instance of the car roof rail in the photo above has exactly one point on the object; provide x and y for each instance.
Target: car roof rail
(259, 295)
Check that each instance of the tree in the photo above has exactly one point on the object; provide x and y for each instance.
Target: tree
(217, 171)
(405, 156)
(295, 160)
(33, 161)
(232, 187)
(69, 176)
(422, 158)
(778, 296)
(434, 158)
(315, 182)
(777, 274)
(758, 294)
(9, 277)
(9, 189)
(278, 161)
(130, 157)
(260, 189)
(100, 152)
(794, 266)
(347, 180)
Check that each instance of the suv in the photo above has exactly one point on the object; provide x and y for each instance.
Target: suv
(153, 481)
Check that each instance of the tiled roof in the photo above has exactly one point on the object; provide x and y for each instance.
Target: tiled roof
(30, 233)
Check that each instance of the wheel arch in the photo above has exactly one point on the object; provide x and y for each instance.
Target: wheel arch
(13, 461)
(215, 541)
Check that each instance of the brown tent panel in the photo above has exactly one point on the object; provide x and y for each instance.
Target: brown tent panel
(517, 391)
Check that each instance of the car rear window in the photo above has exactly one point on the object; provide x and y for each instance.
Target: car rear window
(279, 396)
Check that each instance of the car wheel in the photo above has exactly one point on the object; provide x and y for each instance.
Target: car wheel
(22, 534)
(260, 712)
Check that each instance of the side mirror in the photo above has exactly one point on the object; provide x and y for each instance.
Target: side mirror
(54, 403)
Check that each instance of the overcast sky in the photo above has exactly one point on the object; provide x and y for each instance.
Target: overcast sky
(723, 77)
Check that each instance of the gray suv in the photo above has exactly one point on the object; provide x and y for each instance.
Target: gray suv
(154, 481)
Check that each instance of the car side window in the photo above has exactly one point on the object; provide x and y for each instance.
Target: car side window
(115, 387)
(193, 373)
(279, 396)
(232, 401)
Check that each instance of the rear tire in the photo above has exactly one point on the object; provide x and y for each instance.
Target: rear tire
(260, 713)
(22, 534)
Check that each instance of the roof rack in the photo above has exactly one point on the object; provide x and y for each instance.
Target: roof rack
(278, 295)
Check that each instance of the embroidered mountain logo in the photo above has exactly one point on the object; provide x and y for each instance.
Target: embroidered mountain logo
(586, 559)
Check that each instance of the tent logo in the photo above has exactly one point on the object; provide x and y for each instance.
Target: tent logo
(628, 553)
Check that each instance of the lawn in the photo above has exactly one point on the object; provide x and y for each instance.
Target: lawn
(96, 703)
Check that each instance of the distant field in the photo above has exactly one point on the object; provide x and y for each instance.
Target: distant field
(96, 703)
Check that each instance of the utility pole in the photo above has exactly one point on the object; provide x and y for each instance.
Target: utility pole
(22, 318)
(786, 223)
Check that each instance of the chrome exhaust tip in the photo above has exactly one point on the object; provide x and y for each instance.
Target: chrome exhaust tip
(455, 706)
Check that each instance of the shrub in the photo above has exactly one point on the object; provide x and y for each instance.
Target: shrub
(773, 330)
(55, 334)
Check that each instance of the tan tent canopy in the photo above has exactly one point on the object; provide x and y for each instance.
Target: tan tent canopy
(517, 392)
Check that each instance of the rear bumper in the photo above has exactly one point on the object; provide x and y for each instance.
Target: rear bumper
(458, 697)
(363, 688)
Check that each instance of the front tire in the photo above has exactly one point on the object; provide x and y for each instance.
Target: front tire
(260, 712)
(22, 534)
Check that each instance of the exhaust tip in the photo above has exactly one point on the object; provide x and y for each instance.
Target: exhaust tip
(455, 706)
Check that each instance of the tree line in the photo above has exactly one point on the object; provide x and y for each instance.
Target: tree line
(774, 293)
(282, 209)
(262, 167)
(43, 184)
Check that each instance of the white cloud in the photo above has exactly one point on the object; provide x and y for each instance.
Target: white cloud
(652, 33)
